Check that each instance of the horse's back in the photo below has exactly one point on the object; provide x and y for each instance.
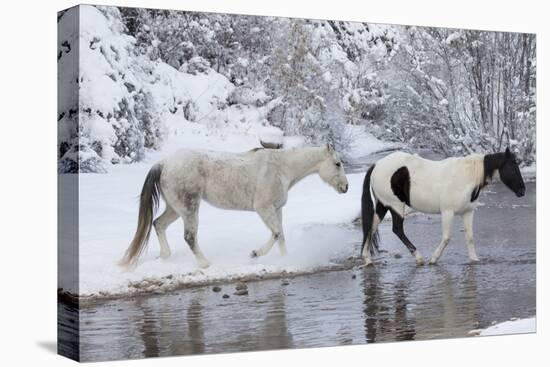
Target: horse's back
(391, 163)
(225, 180)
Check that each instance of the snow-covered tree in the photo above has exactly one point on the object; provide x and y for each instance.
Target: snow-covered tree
(451, 90)
(116, 116)
(461, 91)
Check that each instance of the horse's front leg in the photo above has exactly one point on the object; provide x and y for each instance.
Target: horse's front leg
(446, 227)
(468, 219)
(272, 218)
(281, 238)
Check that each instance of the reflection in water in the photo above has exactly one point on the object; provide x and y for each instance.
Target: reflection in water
(148, 330)
(372, 291)
(274, 333)
(378, 310)
(196, 323)
(398, 307)
(195, 330)
(68, 331)
(404, 323)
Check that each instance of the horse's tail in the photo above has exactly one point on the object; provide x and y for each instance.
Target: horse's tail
(148, 204)
(368, 211)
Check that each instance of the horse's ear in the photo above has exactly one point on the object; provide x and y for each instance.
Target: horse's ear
(330, 148)
(507, 153)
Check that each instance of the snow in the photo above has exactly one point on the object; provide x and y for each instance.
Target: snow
(519, 326)
(203, 89)
(529, 173)
(453, 37)
(365, 143)
(316, 220)
(67, 64)
(271, 134)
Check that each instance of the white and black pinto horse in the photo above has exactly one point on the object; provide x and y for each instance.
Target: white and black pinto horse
(257, 180)
(450, 187)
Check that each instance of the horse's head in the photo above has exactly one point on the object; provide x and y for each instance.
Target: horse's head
(332, 171)
(510, 174)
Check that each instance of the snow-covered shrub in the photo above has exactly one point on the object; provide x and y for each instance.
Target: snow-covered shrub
(195, 65)
(249, 97)
(81, 158)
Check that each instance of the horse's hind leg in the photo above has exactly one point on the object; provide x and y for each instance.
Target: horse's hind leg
(378, 217)
(161, 223)
(468, 219)
(397, 226)
(272, 219)
(446, 226)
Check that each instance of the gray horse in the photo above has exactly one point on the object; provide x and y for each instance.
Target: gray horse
(257, 180)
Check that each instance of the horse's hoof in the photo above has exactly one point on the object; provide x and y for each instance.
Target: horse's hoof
(474, 260)
(418, 257)
(164, 256)
(204, 264)
(369, 262)
(254, 254)
(432, 262)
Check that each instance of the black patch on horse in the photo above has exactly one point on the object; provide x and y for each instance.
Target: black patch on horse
(475, 194)
(401, 185)
(381, 210)
(491, 162)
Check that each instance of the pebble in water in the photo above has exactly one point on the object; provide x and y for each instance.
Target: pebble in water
(241, 289)
(241, 292)
(225, 296)
(216, 289)
(241, 286)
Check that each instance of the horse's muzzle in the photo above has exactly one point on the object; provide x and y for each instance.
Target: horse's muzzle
(521, 192)
(343, 188)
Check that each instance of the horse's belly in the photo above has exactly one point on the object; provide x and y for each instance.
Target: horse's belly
(425, 205)
(227, 197)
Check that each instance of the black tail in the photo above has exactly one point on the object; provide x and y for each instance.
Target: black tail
(368, 210)
(148, 203)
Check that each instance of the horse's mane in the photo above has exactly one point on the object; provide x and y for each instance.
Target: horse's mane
(476, 161)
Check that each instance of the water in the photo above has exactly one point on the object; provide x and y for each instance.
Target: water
(394, 300)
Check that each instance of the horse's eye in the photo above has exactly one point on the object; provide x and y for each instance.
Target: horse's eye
(338, 164)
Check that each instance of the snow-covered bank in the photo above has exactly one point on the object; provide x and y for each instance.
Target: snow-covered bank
(315, 222)
(521, 326)
(529, 173)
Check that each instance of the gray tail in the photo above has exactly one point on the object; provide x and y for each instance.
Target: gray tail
(148, 204)
(368, 210)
